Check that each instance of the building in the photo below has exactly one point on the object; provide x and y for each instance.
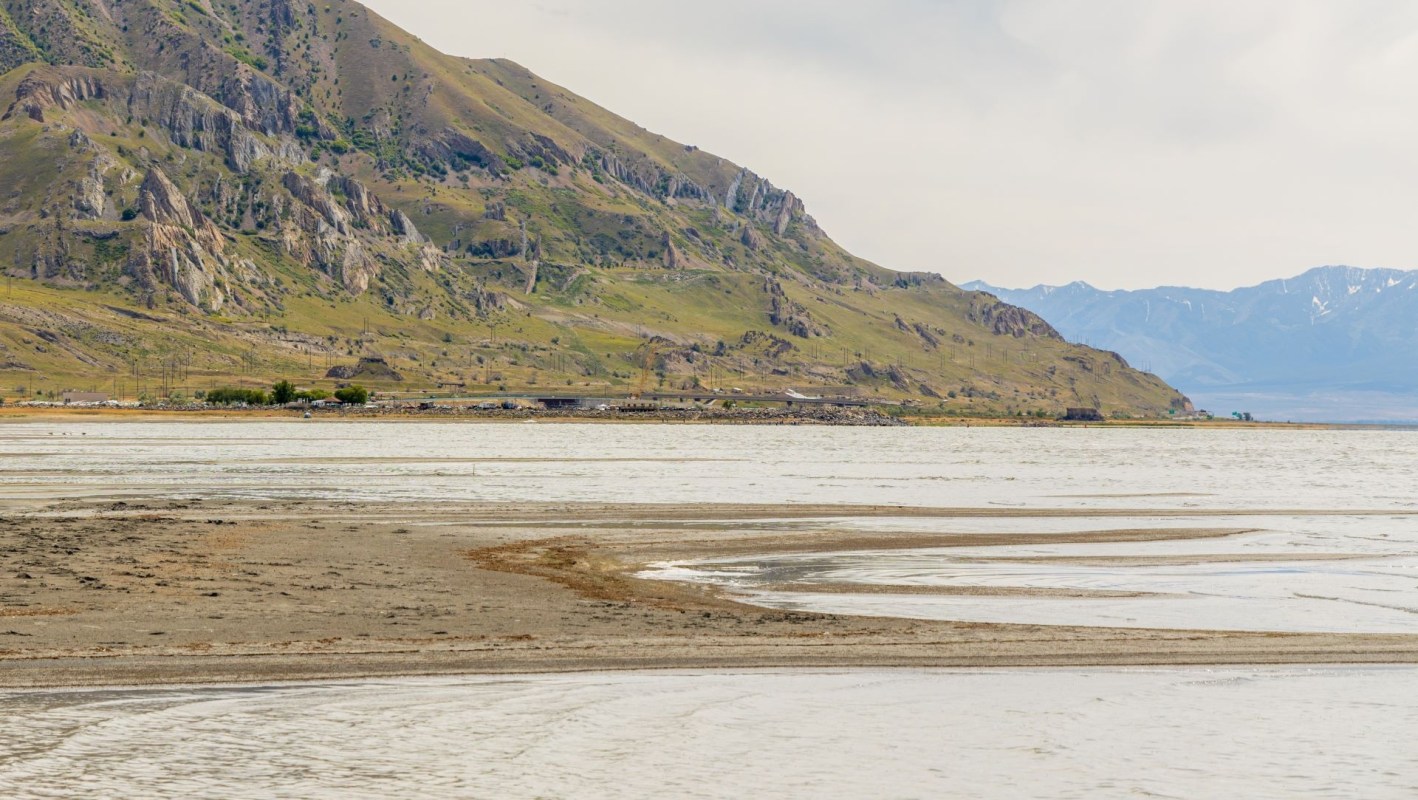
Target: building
(559, 403)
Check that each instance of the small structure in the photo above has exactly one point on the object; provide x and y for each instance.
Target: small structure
(84, 398)
(559, 403)
(1083, 415)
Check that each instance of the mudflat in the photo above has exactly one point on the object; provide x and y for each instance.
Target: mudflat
(157, 591)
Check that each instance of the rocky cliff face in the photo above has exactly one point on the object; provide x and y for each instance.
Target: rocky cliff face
(262, 129)
(90, 191)
(191, 119)
(1008, 320)
(338, 226)
(182, 247)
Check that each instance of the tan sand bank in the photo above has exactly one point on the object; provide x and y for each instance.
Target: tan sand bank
(187, 592)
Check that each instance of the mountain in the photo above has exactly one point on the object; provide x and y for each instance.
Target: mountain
(1333, 344)
(198, 193)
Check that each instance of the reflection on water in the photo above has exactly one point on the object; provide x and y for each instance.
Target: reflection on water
(998, 734)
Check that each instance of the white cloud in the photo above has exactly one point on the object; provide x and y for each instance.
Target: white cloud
(1123, 142)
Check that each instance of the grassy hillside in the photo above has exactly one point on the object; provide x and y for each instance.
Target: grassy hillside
(201, 193)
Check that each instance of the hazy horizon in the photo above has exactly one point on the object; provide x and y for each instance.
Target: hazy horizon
(1223, 288)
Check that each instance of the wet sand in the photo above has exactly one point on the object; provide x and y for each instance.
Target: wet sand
(154, 591)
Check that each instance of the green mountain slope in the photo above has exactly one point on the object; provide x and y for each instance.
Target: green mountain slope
(199, 192)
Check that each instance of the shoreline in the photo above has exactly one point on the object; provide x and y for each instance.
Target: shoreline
(278, 670)
(18, 414)
(168, 592)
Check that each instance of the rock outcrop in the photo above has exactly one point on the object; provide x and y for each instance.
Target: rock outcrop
(748, 237)
(790, 314)
(182, 248)
(647, 177)
(758, 199)
(458, 150)
(55, 88)
(195, 121)
(370, 368)
(670, 254)
(339, 226)
(189, 118)
(404, 228)
(1007, 320)
(90, 197)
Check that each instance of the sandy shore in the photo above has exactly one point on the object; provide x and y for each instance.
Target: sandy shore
(150, 592)
(21, 413)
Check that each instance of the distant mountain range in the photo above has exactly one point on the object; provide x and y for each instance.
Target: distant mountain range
(1333, 344)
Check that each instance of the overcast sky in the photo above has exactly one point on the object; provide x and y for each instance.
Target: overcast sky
(1127, 143)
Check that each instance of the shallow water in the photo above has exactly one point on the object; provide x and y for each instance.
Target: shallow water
(1337, 732)
(1294, 573)
(970, 467)
(1155, 476)
(904, 734)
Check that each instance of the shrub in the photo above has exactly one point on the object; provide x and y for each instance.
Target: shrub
(228, 396)
(354, 395)
(311, 395)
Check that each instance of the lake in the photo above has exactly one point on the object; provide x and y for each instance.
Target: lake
(1331, 545)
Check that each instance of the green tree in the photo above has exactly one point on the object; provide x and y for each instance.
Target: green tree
(283, 392)
(353, 395)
